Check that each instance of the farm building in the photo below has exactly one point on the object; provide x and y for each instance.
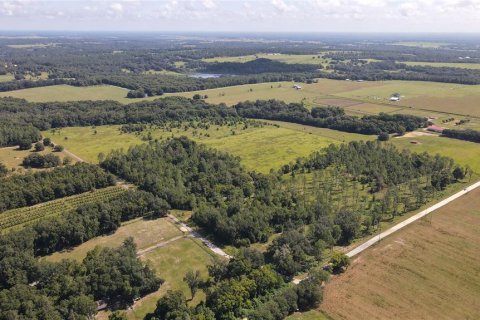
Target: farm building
(435, 128)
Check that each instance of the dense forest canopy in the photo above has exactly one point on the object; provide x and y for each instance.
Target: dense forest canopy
(328, 117)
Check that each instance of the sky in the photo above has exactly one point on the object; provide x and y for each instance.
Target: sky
(242, 15)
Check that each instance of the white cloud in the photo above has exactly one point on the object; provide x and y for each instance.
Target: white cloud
(116, 7)
(281, 6)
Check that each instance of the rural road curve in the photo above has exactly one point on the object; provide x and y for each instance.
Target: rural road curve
(195, 234)
(408, 221)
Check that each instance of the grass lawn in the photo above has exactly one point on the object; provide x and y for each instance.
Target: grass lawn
(429, 270)
(145, 233)
(12, 158)
(260, 149)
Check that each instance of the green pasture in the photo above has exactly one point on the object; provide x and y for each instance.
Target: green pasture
(463, 152)
(260, 148)
(474, 66)
(70, 93)
(316, 59)
(171, 263)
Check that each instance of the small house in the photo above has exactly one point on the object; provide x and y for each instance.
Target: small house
(394, 98)
(297, 87)
(435, 128)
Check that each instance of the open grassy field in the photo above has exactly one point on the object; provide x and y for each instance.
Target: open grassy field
(463, 152)
(6, 77)
(285, 58)
(17, 218)
(421, 97)
(426, 96)
(70, 93)
(428, 270)
(172, 263)
(145, 233)
(12, 158)
(171, 260)
(474, 66)
(260, 149)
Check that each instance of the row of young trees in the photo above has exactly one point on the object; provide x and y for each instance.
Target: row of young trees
(329, 117)
(25, 190)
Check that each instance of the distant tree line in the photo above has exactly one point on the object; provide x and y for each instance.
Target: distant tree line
(328, 117)
(26, 190)
(256, 66)
(93, 113)
(468, 135)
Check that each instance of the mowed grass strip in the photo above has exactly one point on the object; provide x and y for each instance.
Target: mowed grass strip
(16, 218)
(429, 270)
(260, 148)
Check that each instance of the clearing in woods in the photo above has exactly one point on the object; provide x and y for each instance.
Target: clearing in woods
(260, 148)
(428, 270)
(170, 261)
(12, 157)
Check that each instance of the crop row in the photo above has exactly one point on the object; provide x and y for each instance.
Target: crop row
(22, 216)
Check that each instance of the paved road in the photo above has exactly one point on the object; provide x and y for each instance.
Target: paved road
(195, 234)
(414, 218)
